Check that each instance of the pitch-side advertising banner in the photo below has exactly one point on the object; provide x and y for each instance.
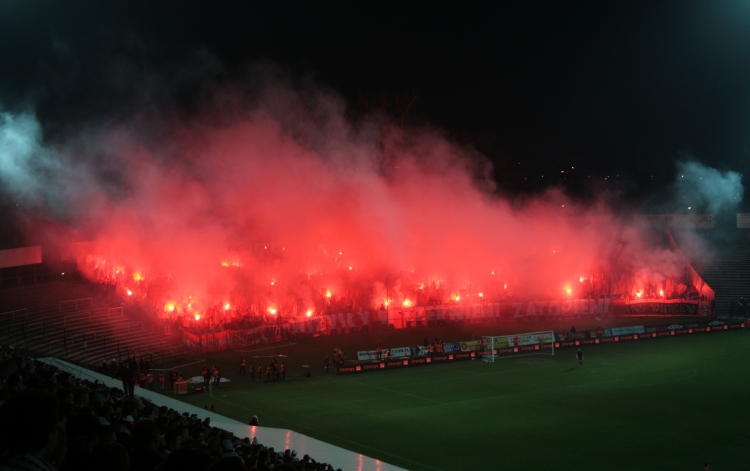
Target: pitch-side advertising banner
(372, 355)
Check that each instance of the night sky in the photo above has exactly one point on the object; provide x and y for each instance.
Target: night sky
(595, 89)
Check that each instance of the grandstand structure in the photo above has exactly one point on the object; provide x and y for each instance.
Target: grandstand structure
(728, 272)
(81, 322)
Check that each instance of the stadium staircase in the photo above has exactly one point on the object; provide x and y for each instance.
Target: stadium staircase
(727, 273)
(76, 322)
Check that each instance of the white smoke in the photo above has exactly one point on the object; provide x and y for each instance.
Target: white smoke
(706, 189)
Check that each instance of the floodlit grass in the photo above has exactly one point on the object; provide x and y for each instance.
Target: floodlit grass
(657, 404)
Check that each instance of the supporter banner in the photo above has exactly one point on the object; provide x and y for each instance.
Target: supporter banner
(346, 322)
(509, 311)
(683, 307)
(561, 308)
(311, 326)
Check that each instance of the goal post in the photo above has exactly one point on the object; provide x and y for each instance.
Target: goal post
(530, 343)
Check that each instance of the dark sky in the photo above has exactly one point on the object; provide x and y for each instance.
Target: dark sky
(617, 89)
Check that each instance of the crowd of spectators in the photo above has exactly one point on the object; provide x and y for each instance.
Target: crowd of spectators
(52, 420)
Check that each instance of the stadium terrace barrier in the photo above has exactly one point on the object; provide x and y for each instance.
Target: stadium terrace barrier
(348, 322)
(645, 333)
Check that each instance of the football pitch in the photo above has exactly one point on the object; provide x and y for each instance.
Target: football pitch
(657, 404)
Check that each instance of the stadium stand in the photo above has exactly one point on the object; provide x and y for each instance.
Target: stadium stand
(83, 323)
(106, 430)
(728, 273)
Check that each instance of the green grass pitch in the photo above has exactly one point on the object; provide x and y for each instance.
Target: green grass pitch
(660, 404)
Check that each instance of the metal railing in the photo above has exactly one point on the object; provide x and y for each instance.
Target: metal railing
(34, 326)
(115, 310)
(76, 302)
(77, 315)
(139, 327)
(12, 315)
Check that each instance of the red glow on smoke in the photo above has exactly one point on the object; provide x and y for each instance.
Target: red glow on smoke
(276, 205)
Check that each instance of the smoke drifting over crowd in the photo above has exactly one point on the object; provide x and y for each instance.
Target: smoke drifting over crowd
(272, 199)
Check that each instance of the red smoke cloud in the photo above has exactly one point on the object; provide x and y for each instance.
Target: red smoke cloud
(286, 201)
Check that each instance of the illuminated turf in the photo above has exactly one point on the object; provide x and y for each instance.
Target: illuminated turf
(657, 404)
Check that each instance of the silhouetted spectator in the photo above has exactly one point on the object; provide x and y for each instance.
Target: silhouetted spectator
(29, 434)
(145, 440)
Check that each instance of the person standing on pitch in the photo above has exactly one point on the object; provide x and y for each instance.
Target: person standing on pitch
(579, 355)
